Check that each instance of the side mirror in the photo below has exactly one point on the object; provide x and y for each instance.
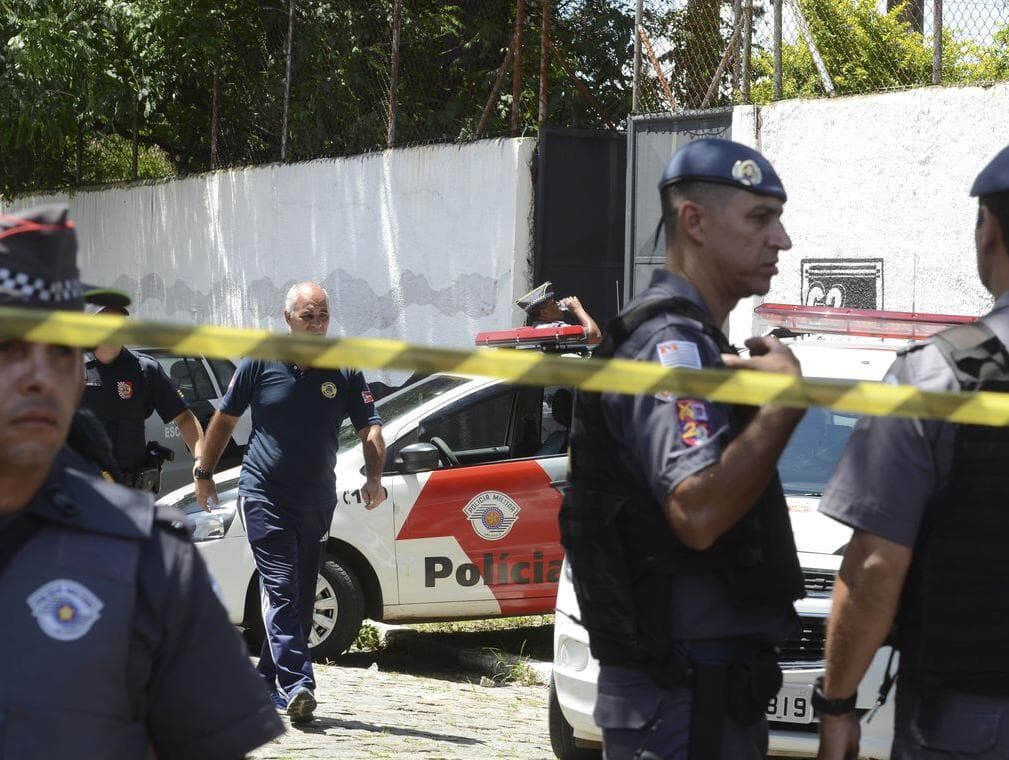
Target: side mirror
(418, 457)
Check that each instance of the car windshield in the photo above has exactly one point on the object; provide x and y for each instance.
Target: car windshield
(809, 460)
(396, 405)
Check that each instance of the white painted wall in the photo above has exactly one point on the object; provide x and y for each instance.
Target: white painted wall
(885, 176)
(428, 245)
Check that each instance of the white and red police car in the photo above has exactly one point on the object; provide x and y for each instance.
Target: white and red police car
(848, 344)
(470, 526)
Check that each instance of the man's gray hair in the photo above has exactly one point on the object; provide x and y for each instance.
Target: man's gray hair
(297, 289)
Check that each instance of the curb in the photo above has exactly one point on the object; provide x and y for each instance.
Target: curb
(494, 665)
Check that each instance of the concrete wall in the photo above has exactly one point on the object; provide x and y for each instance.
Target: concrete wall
(882, 177)
(427, 245)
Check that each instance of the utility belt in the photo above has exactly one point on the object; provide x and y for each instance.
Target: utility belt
(147, 477)
(739, 689)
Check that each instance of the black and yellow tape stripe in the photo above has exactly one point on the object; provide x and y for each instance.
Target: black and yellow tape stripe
(522, 367)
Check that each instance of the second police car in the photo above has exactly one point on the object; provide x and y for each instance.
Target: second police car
(845, 344)
(470, 526)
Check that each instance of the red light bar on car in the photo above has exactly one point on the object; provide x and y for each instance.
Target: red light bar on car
(864, 322)
(533, 337)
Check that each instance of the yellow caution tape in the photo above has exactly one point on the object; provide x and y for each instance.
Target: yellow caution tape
(521, 367)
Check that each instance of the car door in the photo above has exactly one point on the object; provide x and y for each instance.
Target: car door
(480, 532)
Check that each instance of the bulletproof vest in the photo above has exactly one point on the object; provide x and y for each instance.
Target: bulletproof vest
(953, 624)
(125, 420)
(68, 596)
(623, 551)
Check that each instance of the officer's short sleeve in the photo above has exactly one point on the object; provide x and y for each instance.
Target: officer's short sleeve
(361, 406)
(239, 394)
(167, 401)
(891, 466)
(204, 699)
(668, 437)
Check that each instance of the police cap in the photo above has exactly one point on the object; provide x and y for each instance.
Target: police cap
(535, 298)
(725, 163)
(994, 178)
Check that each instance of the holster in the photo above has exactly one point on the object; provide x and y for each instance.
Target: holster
(740, 691)
(145, 479)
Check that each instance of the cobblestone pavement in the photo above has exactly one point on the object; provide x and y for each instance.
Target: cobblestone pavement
(398, 711)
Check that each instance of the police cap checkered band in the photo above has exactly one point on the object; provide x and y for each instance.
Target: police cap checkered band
(725, 163)
(38, 260)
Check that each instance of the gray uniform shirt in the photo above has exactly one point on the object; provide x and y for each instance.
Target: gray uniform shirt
(892, 466)
(665, 439)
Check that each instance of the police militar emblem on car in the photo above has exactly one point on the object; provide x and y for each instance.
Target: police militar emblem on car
(492, 514)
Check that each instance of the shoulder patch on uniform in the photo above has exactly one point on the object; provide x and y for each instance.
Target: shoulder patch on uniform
(65, 609)
(693, 417)
(678, 353)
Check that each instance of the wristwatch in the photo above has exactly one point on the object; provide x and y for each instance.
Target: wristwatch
(831, 706)
(202, 474)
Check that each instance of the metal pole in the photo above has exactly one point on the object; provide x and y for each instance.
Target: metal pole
(397, 24)
(287, 80)
(737, 12)
(936, 41)
(636, 86)
(546, 10)
(520, 21)
(747, 44)
(777, 50)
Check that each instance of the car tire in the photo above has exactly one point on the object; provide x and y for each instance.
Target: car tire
(562, 736)
(339, 611)
(338, 615)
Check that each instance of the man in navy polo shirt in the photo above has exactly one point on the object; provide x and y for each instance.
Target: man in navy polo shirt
(287, 488)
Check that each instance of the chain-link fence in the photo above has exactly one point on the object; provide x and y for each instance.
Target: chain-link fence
(703, 53)
(178, 87)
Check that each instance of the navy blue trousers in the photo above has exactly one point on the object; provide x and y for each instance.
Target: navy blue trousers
(288, 546)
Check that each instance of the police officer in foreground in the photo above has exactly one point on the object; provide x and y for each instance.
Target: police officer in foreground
(123, 388)
(675, 524)
(114, 643)
(927, 501)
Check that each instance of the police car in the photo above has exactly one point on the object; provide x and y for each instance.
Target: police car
(470, 526)
(845, 344)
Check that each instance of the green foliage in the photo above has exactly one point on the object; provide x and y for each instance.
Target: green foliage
(868, 51)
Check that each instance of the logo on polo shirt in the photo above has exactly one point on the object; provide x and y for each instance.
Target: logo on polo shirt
(125, 389)
(329, 389)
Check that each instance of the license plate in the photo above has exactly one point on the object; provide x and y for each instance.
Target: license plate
(791, 704)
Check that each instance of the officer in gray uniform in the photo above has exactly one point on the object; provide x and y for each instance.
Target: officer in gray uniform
(676, 526)
(115, 645)
(927, 500)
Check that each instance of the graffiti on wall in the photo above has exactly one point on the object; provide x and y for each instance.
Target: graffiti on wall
(852, 283)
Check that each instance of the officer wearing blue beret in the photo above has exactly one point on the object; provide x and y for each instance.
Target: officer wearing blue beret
(676, 526)
(927, 501)
(115, 644)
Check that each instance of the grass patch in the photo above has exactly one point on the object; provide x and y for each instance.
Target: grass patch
(487, 624)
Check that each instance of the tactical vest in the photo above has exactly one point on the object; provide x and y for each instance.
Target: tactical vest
(621, 548)
(68, 596)
(953, 624)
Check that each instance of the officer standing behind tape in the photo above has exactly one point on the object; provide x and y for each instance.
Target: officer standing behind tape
(287, 488)
(123, 388)
(115, 645)
(675, 524)
(927, 501)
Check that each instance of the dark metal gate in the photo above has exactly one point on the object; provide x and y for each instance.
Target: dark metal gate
(579, 230)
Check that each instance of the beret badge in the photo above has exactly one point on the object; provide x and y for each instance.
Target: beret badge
(747, 172)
